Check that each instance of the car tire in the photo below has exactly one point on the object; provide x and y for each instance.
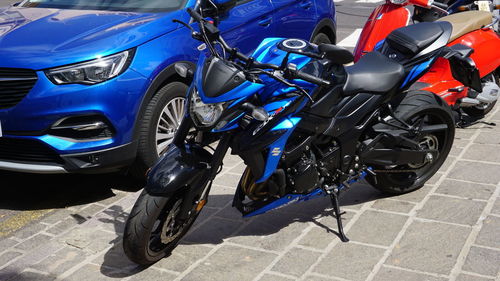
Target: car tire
(166, 98)
(321, 38)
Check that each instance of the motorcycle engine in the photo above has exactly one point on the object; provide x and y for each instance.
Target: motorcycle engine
(303, 177)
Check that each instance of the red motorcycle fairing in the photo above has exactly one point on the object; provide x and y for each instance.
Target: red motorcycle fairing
(384, 19)
(485, 43)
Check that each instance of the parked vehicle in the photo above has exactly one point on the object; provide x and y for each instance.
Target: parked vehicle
(305, 125)
(472, 29)
(90, 86)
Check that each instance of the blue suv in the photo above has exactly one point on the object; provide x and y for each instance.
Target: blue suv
(90, 86)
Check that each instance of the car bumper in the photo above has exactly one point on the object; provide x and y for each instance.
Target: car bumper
(101, 161)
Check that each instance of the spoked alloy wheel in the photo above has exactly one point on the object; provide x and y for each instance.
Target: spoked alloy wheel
(418, 108)
(168, 123)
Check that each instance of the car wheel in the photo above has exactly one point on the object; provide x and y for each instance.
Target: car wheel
(321, 38)
(161, 119)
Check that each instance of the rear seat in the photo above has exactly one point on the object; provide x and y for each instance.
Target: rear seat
(466, 22)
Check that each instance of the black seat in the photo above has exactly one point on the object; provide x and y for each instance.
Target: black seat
(373, 73)
(411, 40)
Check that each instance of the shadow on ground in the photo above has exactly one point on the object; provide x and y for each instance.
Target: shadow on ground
(22, 192)
(226, 222)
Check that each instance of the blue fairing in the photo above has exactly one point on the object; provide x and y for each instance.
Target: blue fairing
(416, 71)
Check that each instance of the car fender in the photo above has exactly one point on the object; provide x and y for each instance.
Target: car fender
(326, 24)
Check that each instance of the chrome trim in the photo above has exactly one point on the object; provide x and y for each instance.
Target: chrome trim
(17, 79)
(82, 127)
(31, 168)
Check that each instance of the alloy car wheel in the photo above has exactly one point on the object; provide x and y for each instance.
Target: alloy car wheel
(169, 121)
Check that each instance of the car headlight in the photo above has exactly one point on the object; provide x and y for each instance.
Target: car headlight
(204, 114)
(91, 72)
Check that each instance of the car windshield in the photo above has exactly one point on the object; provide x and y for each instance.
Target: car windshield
(108, 5)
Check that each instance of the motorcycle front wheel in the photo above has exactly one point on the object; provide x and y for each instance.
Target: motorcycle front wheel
(152, 230)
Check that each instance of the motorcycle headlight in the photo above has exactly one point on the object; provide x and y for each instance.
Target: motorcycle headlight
(398, 2)
(204, 114)
(91, 72)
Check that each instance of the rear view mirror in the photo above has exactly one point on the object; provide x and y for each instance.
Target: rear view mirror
(336, 54)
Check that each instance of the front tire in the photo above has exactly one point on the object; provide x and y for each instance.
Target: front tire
(151, 232)
(321, 38)
(413, 108)
(161, 120)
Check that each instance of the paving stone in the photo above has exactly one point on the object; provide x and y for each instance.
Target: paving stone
(239, 169)
(455, 151)
(8, 257)
(214, 231)
(112, 219)
(33, 242)
(317, 278)
(90, 211)
(7, 243)
(489, 234)
(30, 230)
(428, 246)
(377, 228)
(393, 205)
(152, 274)
(435, 178)
(453, 210)
(324, 231)
(61, 261)
(113, 199)
(447, 163)
(387, 273)
(94, 272)
(232, 160)
(460, 143)
(56, 216)
(231, 213)
(349, 261)
(494, 210)
(182, 257)
(62, 226)
(90, 240)
(466, 189)
(296, 262)
(272, 231)
(35, 256)
(483, 261)
(467, 277)
(476, 172)
(228, 180)
(30, 275)
(313, 208)
(115, 258)
(488, 138)
(220, 196)
(482, 152)
(415, 196)
(270, 277)
(359, 194)
(222, 264)
(464, 134)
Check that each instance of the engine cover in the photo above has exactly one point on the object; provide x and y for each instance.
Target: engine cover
(304, 176)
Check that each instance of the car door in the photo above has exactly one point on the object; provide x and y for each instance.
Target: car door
(247, 24)
(294, 18)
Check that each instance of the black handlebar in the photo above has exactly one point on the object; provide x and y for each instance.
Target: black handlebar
(195, 15)
(311, 78)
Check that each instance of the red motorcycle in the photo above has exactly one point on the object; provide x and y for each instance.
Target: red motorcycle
(471, 29)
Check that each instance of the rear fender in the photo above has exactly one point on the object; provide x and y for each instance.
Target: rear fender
(179, 168)
(382, 21)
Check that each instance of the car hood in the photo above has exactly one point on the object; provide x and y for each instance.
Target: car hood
(39, 38)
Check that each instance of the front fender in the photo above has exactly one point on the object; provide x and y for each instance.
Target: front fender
(179, 168)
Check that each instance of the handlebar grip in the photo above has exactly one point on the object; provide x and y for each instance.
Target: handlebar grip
(195, 15)
(310, 78)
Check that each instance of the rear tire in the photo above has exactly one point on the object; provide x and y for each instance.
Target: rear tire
(321, 38)
(415, 106)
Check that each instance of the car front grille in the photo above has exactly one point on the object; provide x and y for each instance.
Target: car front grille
(15, 84)
(27, 150)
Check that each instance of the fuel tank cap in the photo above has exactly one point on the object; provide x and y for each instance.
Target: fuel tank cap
(294, 45)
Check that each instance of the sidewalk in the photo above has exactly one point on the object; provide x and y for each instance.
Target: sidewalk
(448, 230)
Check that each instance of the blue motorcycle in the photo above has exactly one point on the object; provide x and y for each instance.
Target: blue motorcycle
(306, 126)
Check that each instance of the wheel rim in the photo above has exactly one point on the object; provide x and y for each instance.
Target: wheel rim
(168, 123)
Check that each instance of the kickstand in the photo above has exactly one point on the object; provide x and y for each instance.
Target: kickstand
(338, 215)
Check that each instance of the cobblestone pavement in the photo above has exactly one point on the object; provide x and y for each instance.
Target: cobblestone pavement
(448, 230)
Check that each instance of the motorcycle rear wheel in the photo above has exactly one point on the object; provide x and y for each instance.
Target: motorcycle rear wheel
(418, 105)
(151, 232)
